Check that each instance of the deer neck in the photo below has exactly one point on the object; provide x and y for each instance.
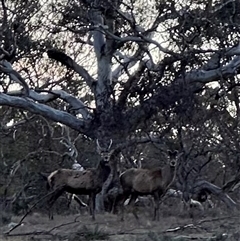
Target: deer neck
(100, 171)
(168, 173)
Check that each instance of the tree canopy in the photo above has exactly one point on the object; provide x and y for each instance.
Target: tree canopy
(110, 66)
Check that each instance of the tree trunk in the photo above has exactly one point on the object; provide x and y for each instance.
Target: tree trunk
(215, 190)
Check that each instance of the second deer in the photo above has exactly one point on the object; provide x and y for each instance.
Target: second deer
(137, 182)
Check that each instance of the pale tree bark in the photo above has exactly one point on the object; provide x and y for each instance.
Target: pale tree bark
(195, 80)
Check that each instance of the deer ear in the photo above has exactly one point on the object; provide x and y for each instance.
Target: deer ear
(175, 152)
(172, 153)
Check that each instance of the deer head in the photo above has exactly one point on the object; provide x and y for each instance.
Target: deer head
(174, 157)
(104, 152)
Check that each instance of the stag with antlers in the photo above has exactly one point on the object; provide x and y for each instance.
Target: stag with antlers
(87, 182)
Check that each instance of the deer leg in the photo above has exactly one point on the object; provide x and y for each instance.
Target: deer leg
(79, 201)
(69, 197)
(122, 200)
(114, 208)
(115, 204)
(156, 206)
(132, 203)
(52, 200)
(92, 205)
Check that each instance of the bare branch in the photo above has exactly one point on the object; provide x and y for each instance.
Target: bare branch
(41, 98)
(44, 110)
(72, 151)
(140, 39)
(70, 63)
(205, 77)
(16, 124)
(126, 64)
(235, 50)
(6, 68)
(76, 104)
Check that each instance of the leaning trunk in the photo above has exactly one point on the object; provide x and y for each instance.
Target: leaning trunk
(105, 188)
(169, 174)
(104, 47)
(101, 196)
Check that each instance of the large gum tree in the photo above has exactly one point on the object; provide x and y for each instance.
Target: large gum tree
(113, 69)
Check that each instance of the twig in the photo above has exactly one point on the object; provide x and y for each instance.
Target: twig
(29, 211)
(28, 233)
(62, 225)
(48, 232)
(198, 223)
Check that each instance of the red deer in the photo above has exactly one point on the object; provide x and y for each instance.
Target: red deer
(87, 182)
(137, 182)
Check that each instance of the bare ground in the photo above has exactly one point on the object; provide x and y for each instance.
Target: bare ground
(214, 224)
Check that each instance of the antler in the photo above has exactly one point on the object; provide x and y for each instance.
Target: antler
(111, 141)
(98, 145)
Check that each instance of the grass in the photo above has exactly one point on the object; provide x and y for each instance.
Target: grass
(87, 234)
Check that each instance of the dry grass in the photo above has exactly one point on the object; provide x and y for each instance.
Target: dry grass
(108, 227)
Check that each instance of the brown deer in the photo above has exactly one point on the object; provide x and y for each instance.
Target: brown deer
(155, 182)
(87, 182)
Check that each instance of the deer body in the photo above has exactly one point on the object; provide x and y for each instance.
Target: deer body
(87, 182)
(77, 182)
(80, 182)
(138, 181)
(154, 180)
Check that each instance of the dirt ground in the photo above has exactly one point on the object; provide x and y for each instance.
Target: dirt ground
(213, 224)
